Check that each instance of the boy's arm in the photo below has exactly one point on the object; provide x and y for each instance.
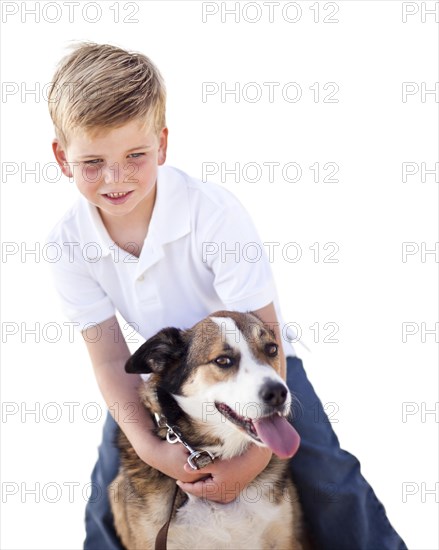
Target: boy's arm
(120, 391)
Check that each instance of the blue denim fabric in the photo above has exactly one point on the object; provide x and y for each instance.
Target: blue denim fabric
(99, 527)
(340, 508)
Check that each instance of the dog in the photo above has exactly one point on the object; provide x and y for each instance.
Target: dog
(218, 385)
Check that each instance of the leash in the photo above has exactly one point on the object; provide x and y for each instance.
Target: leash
(162, 535)
(196, 460)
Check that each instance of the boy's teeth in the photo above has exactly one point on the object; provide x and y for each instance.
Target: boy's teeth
(114, 195)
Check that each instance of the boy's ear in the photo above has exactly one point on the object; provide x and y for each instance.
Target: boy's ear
(160, 352)
(61, 158)
(163, 146)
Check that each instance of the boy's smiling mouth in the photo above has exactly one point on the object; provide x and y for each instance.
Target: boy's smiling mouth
(114, 195)
(117, 198)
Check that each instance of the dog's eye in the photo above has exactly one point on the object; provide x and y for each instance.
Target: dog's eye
(224, 361)
(271, 349)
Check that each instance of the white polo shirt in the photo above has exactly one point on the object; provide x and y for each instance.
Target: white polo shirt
(201, 254)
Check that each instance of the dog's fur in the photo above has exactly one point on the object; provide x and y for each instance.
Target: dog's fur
(184, 385)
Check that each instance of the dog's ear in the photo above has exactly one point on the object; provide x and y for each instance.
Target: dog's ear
(162, 350)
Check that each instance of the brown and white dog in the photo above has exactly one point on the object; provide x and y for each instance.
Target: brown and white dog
(217, 382)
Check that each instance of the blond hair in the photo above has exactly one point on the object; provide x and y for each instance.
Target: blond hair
(100, 86)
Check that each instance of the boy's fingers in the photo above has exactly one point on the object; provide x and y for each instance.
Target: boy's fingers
(201, 489)
(190, 470)
(210, 490)
(189, 479)
(191, 488)
(191, 476)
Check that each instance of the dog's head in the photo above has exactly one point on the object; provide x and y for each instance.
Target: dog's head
(223, 372)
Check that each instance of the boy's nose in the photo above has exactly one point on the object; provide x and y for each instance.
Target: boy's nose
(112, 173)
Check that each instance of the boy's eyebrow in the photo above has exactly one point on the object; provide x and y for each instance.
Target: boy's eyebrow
(128, 151)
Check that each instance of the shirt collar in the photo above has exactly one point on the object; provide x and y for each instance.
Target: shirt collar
(171, 214)
(170, 218)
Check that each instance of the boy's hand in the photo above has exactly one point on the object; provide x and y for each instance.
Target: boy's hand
(171, 460)
(227, 477)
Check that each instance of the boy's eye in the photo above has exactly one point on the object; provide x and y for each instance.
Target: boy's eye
(97, 161)
(94, 161)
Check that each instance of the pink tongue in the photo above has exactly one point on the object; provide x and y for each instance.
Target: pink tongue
(278, 434)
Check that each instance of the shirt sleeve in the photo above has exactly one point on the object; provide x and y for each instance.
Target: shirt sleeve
(233, 250)
(81, 297)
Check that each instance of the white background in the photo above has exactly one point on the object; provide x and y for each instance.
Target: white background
(369, 293)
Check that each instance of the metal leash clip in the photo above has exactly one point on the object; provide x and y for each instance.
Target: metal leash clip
(197, 459)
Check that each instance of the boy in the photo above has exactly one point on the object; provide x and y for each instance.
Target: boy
(150, 245)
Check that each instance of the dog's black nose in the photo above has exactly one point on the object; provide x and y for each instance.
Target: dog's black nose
(273, 393)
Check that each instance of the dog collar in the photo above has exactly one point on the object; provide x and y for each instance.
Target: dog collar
(197, 459)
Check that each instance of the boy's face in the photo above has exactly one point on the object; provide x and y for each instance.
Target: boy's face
(120, 160)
